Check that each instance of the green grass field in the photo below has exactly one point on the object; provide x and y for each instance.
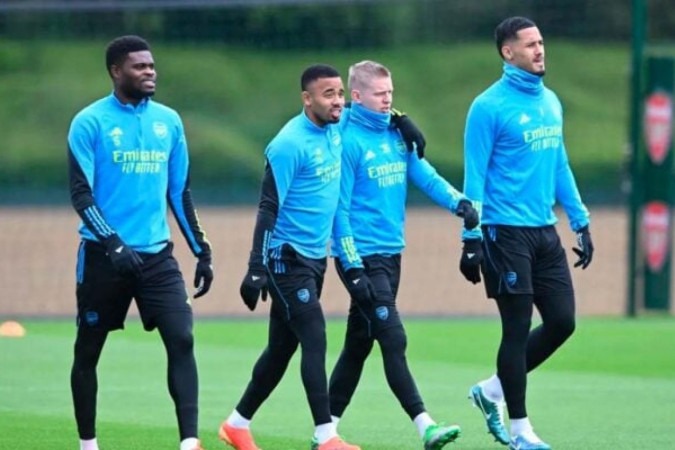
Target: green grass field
(611, 387)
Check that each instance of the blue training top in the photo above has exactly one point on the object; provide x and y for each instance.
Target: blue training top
(305, 161)
(125, 162)
(376, 167)
(516, 166)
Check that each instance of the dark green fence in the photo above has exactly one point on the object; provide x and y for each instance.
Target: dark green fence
(324, 24)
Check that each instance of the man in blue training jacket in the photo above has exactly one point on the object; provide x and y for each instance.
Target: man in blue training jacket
(299, 195)
(368, 239)
(516, 168)
(128, 163)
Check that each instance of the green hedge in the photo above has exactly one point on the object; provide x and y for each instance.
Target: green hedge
(234, 100)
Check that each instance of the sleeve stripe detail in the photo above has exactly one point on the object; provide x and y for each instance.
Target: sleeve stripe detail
(97, 221)
(267, 236)
(349, 248)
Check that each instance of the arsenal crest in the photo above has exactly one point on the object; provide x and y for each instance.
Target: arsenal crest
(656, 234)
(658, 120)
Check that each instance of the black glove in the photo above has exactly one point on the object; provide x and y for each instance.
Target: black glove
(468, 213)
(412, 136)
(472, 256)
(124, 259)
(585, 250)
(203, 275)
(360, 287)
(253, 286)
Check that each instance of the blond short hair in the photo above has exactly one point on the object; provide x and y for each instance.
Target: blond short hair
(361, 73)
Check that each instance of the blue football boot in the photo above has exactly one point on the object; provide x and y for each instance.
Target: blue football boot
(493, 412)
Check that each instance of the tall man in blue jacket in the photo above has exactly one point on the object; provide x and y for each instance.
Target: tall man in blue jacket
(368, 239)
(516, 168)
(129, 164)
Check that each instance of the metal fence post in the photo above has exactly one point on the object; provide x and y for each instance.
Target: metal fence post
(656, 226)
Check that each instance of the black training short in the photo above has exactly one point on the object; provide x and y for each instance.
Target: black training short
(384, 272)
(524, 260)
(295, 282)
(104, 296)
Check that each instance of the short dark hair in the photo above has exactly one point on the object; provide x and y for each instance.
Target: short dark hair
(509, 29)
(118, 49)
(316, 71)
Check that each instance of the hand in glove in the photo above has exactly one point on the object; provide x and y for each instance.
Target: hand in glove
(412, 136)
(254, 286)
(472, 256)
(360, 287)
(585, 249)
(124, 259)
(203, 275)
(466, 211)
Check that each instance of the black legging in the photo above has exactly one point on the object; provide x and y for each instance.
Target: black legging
(348, 369)
(176, 335)
(181, 371)
(83, 379)
(521, 349)
(309, 331)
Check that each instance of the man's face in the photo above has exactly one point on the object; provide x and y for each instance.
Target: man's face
(323, 100)
(135, 78)
(377, 95)
(527, 51)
